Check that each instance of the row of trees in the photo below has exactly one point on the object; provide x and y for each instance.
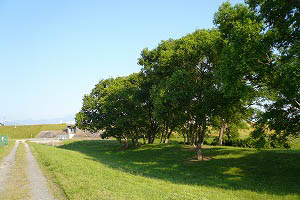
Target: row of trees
(214, 77)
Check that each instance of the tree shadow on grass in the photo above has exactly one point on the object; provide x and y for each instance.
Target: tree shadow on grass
(273, 172)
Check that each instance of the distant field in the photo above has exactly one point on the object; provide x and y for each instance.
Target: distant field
(99, 170)
(28, 131)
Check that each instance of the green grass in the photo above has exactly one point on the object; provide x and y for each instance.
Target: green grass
(28, 131)
(52, 182)
(99, 170)
(4, 150)
(17, 186)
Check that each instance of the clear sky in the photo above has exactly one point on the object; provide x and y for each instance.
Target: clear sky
(53, 52)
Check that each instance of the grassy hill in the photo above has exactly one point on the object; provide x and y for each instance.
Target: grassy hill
(28, 131)
(100, 170)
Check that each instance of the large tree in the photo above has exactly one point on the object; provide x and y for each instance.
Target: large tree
(184, 85)
(240, 62)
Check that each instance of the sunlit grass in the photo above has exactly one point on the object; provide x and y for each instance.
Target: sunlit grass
(100, 170)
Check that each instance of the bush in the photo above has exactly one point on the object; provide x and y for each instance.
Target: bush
(235, 142)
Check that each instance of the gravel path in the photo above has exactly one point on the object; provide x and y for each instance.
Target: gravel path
(38, 183)
(6, 165)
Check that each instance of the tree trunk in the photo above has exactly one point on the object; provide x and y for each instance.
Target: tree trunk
(221, 133)
(126, 143)
(153, 138)
(184, 136)
(190, 135)
(196, 140)
(161, 138)
(199, 152)
(166, 132)
(168, 136)
(201, 134)
(149, 138)
(144, 139)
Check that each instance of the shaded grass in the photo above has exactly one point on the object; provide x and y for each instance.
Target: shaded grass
(99, 170)
(4, 150)
(17, 187)
(28, 131)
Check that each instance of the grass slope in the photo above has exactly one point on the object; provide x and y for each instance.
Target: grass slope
(98, 170)
(28, 131)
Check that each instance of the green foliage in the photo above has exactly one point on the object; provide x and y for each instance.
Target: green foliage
(281, 17)
(172, 98)
(115, 106)
(243, 50)
(282, 26)
(209, 78)
(237, 142)
(184, 86)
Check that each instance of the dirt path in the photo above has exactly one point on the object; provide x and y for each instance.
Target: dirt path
(37, 183)
(6, 165)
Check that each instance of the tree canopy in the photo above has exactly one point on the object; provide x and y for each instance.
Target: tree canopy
(209, 78)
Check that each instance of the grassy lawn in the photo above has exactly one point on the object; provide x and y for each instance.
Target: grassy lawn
(28, 131)
(99, 170)
(4, 150)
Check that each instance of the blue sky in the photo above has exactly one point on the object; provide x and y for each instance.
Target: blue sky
(54, 52)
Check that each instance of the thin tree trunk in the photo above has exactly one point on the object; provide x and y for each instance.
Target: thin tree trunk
(144, 139)
(199, 152)
(201, 134)
(192, 140)
(196, 140)
(189, 136)
(184, 136)
(166, 132)
(221, 133)
(136, 140)
(126, 143)
(153, 139)
(161, 138)
(168, 136)
(162, 133)
(154, 131)
(149, 138)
